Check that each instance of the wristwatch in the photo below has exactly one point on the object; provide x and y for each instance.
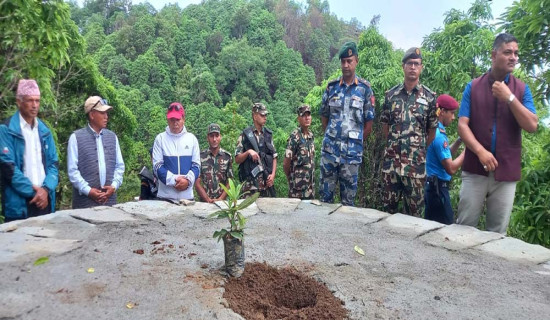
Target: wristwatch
(511, 98)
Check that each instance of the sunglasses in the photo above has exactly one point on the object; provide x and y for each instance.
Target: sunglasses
(103, 102)
(176, 107)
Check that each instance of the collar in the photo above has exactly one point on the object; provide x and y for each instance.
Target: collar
(308, 135)
(94, 132)
(506, 78)
(355, 80)
(417, 87)
(255, 130)
(211, 153)
(25, 124)
(183, 131)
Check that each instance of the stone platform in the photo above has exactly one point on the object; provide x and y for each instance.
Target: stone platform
(154, 260)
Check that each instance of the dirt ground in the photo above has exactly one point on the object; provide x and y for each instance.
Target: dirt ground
(264, 292)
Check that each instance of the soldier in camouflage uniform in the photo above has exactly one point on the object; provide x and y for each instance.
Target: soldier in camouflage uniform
(216, 168)
(256, 155)
(409, 121)
(299, 163)
(346, 115)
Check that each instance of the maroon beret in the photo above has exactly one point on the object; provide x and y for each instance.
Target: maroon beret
(445, 101)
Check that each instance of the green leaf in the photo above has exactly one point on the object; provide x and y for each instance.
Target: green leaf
(248, 201)
(237, 234)
(41, 260)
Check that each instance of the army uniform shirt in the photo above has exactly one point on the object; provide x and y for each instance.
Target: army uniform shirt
(259, 184)
(215, 170)
(409, 117)
(347, 108)
(301, 150)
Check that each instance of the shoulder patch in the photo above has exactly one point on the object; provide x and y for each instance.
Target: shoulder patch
(224, 151)
(393, 88)
(428, 90)
(445, 144)
(442, 130)
(363, 81)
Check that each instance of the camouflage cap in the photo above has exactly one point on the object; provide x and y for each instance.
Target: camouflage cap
(303, 109)
(349, 49)
(213, 127)
(412, 53)
(260, 108)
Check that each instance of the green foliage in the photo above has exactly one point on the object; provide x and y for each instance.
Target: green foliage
(528, 21)
(232, 213)
(460, 51)
(530, 219)
(34, 43)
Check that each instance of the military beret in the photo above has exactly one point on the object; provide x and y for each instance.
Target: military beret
(445, 101)
(349, 49)
(213, 127)
(412, 53)
(260, 108)
(303, 109)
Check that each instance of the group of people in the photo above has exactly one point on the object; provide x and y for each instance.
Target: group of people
(417, 166)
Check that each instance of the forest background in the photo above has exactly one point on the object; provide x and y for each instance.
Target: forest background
(220, 56)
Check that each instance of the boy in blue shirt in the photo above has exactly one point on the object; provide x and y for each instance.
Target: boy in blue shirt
(440, 165)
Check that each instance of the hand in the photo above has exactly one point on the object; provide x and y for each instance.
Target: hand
(270, 180)
(40, 199)
(181, 183)
(97, 195)
(109, 191)
(488, 160)
(501, 91)
(254, 155)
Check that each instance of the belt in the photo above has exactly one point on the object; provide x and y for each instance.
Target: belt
(438, 182)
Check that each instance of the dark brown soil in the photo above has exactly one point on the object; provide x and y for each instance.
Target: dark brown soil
(264, 292)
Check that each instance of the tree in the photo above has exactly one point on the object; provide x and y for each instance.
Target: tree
(528, 21)
(460, 51)
(34, 41)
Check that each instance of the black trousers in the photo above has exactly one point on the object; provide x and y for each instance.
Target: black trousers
(437, 202)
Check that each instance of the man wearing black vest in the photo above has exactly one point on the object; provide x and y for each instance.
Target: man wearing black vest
(495, 108)
(256, 155)
(94, 161)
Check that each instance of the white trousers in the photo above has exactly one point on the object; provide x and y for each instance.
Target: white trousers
(476, 192)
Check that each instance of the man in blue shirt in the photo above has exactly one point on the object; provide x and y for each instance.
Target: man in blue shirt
(347, 112)
(496, 107)
(440, 165)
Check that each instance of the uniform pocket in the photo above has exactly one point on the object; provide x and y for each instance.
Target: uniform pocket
(356, 108)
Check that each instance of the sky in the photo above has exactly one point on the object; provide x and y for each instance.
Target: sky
(404, 23)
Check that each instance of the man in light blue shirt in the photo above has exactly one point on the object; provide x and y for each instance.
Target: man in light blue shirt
(94, 161)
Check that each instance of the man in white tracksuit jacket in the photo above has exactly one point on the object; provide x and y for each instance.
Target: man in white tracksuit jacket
(176, 157)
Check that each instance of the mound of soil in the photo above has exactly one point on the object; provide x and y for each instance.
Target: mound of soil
(264, 292)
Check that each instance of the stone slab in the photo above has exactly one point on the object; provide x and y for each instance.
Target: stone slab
(170, 269)
(277, 205)
(458, 237)
(37, 232)
(152, 209)
(410, 225)
(16, 245)
(363, 214)
(318, 207)
(203, 209)
(101, 215)
(516, 250)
